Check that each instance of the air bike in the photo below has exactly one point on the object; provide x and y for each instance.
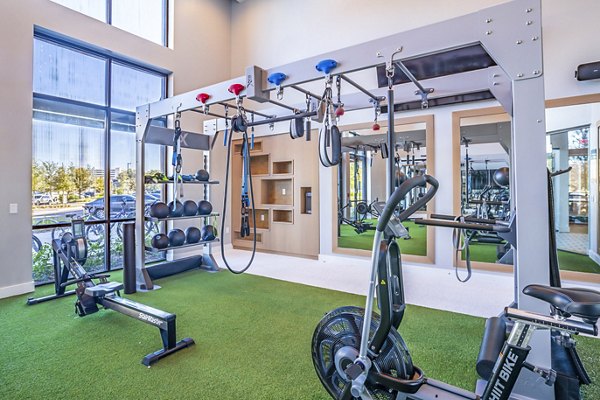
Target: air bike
(70, 253)
(358, 354)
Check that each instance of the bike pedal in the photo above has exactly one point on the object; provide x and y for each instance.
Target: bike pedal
(353, 371)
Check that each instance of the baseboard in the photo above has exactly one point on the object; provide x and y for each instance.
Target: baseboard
(197, 251)
(16, 290)
(341, 256)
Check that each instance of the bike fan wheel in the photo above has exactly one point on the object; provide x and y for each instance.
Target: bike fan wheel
(337, 340)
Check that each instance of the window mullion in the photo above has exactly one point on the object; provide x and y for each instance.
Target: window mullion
(109, 12)
(107, 230)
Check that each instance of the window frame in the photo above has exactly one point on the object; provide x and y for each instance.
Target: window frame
(110, 59)
(109, 17)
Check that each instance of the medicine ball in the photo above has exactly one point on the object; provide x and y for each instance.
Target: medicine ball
(159, 210)
(204, 207)
(190, 208)
(502, 176)
(177, 211)
(176, 237)
(202, 175)
(160, 241)
(192, 235)
(209, 232)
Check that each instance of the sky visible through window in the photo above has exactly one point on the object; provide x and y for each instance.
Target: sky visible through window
(73, 134)
(143, 18)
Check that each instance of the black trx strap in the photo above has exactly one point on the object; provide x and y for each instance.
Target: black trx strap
(245, 225)
(461, 241)
(176, 160)
(329, 134)
(248, 184)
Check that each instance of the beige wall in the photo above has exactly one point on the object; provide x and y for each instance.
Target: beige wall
(270, 33)
(213, 41)
(199, 56)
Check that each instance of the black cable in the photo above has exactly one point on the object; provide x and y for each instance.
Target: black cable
(245, 143)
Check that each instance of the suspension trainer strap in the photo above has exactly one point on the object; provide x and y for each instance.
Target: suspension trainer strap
(226, 133)
(247, 200)
(329, 134)
(245, 224)
(176, 160)
(461, 241)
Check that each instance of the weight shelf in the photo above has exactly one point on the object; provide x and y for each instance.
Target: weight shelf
(153, 219)
(155, 250)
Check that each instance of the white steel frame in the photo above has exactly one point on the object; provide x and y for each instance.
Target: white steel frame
(511, 33)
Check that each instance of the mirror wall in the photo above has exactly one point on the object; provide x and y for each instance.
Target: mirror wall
(360, 181)
(484, 174)
(482, 180)
(572, 147)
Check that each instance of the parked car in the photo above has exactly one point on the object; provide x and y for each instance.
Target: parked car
(42, 199)
(118, 204)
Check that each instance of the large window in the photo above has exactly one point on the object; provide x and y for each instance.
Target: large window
(144, 18)
(84, 148)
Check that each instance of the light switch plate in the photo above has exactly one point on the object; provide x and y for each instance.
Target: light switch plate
(13, 208)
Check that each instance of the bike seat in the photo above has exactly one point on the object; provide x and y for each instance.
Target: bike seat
(582, 303)
(102, 289)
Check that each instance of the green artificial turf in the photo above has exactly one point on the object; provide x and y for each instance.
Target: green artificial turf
(416, 245)
(485, 252)
(253, 338)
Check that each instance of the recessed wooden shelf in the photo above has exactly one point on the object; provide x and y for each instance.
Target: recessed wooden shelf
(306, 200)
(286, 216)
(283, 167)
(249, 238)
(262, 218)
(256, 149)
(285, 194)
(277, 192)
(259, 164)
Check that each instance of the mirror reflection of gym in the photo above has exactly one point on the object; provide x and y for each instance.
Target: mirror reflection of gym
(485, 145)
(361, 182)
(572, 146)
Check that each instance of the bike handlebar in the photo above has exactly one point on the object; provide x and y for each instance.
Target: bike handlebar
(400, 193)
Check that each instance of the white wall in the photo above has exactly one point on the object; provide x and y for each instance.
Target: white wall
(268, 33)
(200, 55)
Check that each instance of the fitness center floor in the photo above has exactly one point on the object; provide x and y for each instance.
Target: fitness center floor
(416, 245)
(260, 351)
(482, 252)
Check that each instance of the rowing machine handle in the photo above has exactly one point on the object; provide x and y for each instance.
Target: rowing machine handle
(401, 192)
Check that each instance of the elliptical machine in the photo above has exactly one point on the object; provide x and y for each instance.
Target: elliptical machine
(359, 354)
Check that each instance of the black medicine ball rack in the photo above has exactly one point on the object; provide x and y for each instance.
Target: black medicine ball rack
(146, 273)
(183, 246)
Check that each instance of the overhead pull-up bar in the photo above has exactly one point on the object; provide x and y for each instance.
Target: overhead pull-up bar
(421, 90)
(209, 113)
(362, 89)
(273, 120)
(302, 90)
(249, 111)
(282, 105)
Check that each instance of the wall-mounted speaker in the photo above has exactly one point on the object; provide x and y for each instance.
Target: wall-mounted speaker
(586, 72)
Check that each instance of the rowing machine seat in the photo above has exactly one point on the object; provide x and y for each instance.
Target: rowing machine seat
(102, 289)
(582, 303)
